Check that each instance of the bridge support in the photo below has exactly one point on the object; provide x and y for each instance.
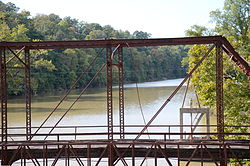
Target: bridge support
(109, 92)
(109, 64)
(3, 92)
(145, 149)
(219, 91)
(121, 92)
(27, 94)
(219, 99)
(110, 155)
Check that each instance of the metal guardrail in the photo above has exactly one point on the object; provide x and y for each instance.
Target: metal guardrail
(156, 132)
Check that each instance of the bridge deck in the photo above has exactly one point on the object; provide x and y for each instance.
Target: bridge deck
(198, 150)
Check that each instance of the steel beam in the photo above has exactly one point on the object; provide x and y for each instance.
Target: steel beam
(110, 155)
(113, 43)
(121, 92)
(3, 72)
(27, 94)
(219, 91)
(242, 63)
(109, 92)
(134, 43)
(3, 92)
(212, 151)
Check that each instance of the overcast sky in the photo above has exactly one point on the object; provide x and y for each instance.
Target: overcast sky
(161, 18)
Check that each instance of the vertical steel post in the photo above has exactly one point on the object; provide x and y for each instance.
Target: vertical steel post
(88, 154)
(121, 91)
(219, 91)
(110, 155)
(178, 154)
(109, 92)
(201, 151)
(155, 154)
(225, 154)
(27, 94)
(3, 92)
(133, 154)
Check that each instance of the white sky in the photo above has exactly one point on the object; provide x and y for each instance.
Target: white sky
(161, 18)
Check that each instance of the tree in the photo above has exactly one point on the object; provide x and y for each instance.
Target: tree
(47, 26)
(58, 69)
(233, 22)
(197, 30)
(141, 35)
(96, 34)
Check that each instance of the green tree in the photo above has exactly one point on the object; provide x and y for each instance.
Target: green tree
(141, 35)
(96, 34)
(47, 26)
(58, 69)
(232, 22)
(197, 30)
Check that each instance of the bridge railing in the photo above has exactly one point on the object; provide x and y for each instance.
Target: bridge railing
(154, 132)
(93, 152)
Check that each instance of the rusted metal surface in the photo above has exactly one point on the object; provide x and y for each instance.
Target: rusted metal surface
(112, 43)
(3, 94)
(121, 91)
(112, 150)
(227, 47)
(219, 91)
(234, 55)
(27, 93)
(185, 150)
(3, 89)
(109, 92)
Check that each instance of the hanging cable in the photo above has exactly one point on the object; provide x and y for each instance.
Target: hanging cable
(138, 95)
(169, 98)
(139, 100)
(67, 93)
(175, 91)
(86, 87)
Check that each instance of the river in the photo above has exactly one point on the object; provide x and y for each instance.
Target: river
(91, 108)
(92, 105)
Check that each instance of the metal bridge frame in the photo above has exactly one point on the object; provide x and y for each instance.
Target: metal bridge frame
(219, 42)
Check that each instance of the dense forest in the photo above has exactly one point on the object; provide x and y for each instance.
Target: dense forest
(53, 70)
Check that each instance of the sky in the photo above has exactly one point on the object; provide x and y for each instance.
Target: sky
(161, 18)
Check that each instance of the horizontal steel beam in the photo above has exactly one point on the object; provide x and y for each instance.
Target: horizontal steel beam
(132, 43)
(113, 42)
(126, 133)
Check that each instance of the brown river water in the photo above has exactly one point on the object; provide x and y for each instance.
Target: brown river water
(91, 109)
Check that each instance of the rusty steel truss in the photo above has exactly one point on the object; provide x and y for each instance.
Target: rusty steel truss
(114, 47)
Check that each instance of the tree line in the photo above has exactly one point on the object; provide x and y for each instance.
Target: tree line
(58, 69)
